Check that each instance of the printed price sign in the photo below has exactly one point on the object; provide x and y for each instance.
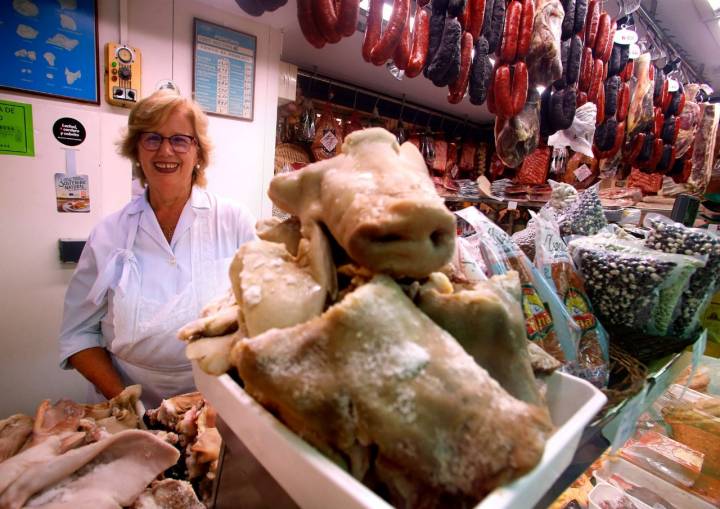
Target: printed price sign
(673, 85)
(512, 205)
(630, 416)
(626, 37)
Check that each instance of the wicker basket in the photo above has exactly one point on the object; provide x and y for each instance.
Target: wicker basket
(288, 153)
(627, 377)
(647, 348)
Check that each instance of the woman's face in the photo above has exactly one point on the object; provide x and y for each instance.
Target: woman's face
(168, 169)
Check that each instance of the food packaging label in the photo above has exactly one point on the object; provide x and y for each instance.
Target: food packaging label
(673, 85)
(635, 52)
(329, 141)
(583, 172)
(72, 193)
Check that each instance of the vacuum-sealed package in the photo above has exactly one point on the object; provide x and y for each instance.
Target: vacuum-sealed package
(670, 237)
(547, 321)
(554, 261)
(585, 216)
(630, 286)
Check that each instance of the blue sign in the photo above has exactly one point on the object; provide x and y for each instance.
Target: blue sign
(224, 70)
(50, 47)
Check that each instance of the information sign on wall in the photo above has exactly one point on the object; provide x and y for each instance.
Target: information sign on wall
(224, 70)
(50, 47)
(16, 129)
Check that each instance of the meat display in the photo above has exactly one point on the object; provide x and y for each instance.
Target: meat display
(423, 385)
(366, 371)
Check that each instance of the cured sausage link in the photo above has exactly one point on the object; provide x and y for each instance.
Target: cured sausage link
(308, 27)
(385, 47)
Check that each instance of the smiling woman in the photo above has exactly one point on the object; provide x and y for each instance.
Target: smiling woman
(146, 270)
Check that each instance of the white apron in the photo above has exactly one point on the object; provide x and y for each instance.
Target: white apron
(145, 348)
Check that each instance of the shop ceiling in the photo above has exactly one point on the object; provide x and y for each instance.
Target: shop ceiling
(689, 24)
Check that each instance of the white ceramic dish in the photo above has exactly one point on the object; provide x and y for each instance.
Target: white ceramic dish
(314, 481)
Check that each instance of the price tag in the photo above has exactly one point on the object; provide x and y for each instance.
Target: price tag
(583, 172)
(625, 37)
(512, 205)
(634, 52)
(714, 228)
(673, 85)
(632, 411)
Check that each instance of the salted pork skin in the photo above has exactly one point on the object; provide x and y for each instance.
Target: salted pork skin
(374, 372)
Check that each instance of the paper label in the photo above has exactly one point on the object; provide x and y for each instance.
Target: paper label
(714, 228)
(329, 141)
(632, 411)
(72, 193)
(583, 172)
(625, 37)
(673, 85)
(512, 205)
(634, 52)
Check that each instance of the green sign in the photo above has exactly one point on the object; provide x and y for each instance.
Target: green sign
(16, 129)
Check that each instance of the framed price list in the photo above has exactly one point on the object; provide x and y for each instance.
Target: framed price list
(224, 70)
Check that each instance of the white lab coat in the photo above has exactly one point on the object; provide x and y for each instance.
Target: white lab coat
(131, 291)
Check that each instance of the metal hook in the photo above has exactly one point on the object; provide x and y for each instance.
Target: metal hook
(402, 108)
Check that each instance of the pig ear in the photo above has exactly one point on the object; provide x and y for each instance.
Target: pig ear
(412, 155)
(286, 191)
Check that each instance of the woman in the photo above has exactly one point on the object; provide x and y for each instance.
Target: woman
(149, 268)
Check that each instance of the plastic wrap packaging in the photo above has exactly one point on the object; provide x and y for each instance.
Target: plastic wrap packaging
(704, 148)
(585, 216)
(649, 183)
(553, 260)
(641, 112)
(689, 121)
(711, 320)
(535, 167)
(664, 457)
(671, 237)
(630, 286)
(547, 321)
(466, 262)
(579, 136)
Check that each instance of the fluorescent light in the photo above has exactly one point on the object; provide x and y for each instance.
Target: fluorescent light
(714, 4)
(387, 9)
(540, 89)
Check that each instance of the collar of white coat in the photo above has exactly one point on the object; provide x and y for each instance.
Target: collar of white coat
(199, 199)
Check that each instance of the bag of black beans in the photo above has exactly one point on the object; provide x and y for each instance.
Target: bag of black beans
(631, 286)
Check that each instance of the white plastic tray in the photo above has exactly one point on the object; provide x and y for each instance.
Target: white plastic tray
(313, 481)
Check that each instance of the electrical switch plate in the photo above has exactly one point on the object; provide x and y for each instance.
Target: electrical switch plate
(122, 75)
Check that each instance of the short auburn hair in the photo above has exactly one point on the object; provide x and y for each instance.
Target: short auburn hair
(150, 113)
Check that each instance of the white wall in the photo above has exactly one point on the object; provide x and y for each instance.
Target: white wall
(32, 279)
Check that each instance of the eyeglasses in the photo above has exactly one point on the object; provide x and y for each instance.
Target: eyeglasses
(180, 143)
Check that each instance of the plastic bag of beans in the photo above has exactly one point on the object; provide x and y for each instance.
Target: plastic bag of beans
(670, 237)
(547, 321)
(585, 216)
(631, 286)
(554, 261)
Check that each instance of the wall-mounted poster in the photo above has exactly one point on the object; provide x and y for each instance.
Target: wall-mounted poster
(224, 70)
(50, 47)
(16, 129)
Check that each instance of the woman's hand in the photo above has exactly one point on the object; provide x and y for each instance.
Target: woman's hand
(95, 365)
